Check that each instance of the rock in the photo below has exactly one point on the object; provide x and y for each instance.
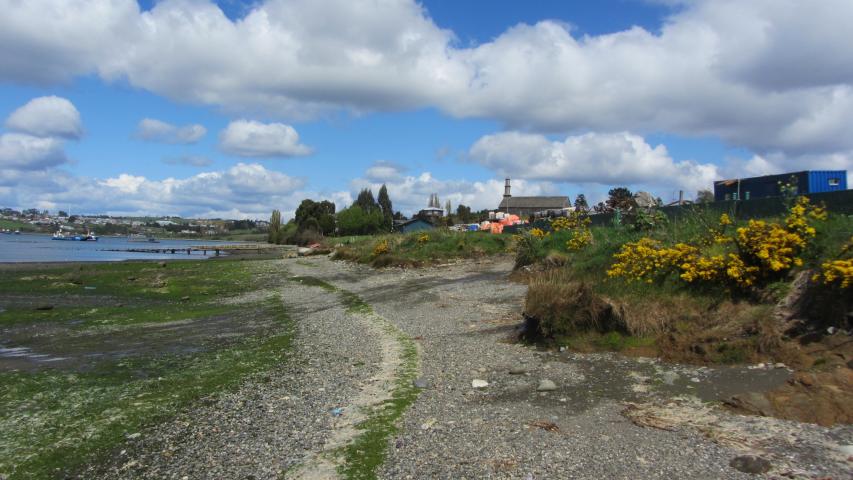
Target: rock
(420, 382)
(831, 330)
(750, 464)
(428, 424)
(134, 436)
(302, 251)
(185, 298)
(669, 377)
(546, 385)
(478, 383)
(517, 370)
(846, 449)
(44, 307)
(161, 264)
(779, 365)
(695, 380)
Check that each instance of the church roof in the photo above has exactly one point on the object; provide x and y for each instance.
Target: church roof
(540, 203)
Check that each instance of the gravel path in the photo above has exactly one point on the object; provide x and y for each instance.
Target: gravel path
(461, 316)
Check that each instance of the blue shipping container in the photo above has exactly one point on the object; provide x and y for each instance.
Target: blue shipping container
(827, 181)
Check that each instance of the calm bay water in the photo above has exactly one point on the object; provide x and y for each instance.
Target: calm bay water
(41, 248)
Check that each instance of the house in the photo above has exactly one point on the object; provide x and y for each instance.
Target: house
(433, 210)
(526, 206)
(414, 225)
(805, 182)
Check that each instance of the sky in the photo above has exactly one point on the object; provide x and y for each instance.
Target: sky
(231, 109)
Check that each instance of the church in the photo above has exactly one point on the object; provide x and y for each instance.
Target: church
(527, 206)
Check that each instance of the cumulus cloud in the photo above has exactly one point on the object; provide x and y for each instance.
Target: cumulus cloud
(242, 191)
(47, 117)
(768, 75)
(384, 171)
(153, 130)
(190, 160)
(25, 152)
(608, 159)
(247, 138)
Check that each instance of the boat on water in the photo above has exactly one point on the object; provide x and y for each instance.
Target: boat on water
(75, 238)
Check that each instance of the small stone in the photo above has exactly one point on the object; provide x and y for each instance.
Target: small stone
(428, 424)
(478, 383)
(750, 464)
(481, 370)
(669, 377)
(517, 370)
(695, 380)
(831, 330)
(185, 298)
(546, 385)
(420, 382)
(779, 365)
(162, 264)
(44, 307)
(134, 436)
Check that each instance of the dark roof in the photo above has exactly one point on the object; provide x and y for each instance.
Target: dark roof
(414, 220)
(542, 203)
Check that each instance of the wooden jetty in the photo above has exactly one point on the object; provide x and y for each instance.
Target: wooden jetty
(215, 250)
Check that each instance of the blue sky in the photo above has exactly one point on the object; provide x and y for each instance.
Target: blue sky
(291, 99)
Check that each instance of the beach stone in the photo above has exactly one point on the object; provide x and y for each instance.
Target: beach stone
(162, 264)
(750, 464)
(546, 385)
(185, 298)
(669, 377)
(44, 307)
(420, 382)
(479, 383)
(517, 370)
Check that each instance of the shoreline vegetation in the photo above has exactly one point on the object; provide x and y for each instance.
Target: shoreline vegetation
(142, 341)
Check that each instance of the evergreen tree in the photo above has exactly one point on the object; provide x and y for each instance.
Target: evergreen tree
(448, 209)
(387, 209)
(580, 203)
(365, 200)
(621, 198)
(275, 227)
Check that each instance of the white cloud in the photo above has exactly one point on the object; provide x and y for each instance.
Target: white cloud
(247, 138)
(19, 151)
(607, 159)
(190, 160)
(153, 130)
(47, 117)
(767, 75)
(383, 171)
(242, 191)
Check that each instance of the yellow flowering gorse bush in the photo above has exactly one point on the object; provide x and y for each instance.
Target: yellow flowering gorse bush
(423, 238)
(838, 272)
(381, 247)
(578, 224)
(759, 249)
(538, 233)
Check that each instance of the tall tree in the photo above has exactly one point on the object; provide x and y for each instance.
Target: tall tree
(580, 203)
(463, 213)
(621, 198)
(275, 227)
(387, 208)
(365, 200)
(448, 209)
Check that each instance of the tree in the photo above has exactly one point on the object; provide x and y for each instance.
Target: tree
(275, 227)
(580, 203)
(463, 213)
(600, 207)
(387, 208)
(62, 213)
(317, 216)
(366, 201)
(621, 198)
(704, 196)
(356, 221)
(447, 208)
